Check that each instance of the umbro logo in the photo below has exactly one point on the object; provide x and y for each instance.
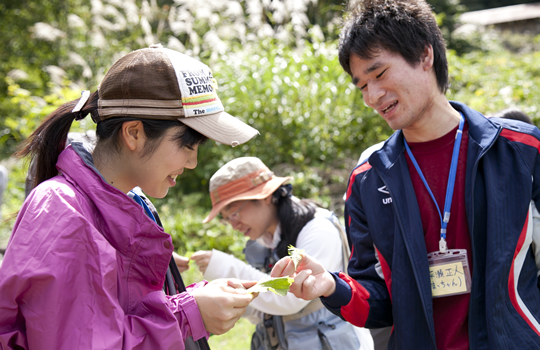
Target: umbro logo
(385, 191)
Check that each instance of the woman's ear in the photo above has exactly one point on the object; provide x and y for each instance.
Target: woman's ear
(268, 200)
(133, 135)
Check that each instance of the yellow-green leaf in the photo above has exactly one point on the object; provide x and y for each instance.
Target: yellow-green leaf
(278, 285)
(296, 254)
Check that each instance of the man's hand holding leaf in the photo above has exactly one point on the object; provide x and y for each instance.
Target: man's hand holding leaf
(311, 280)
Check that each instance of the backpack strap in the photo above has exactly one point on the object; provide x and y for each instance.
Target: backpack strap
(345, 249)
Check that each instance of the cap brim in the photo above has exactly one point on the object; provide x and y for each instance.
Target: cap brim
(260, 192)
(222, 127)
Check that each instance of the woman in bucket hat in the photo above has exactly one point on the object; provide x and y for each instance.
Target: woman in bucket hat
(261, 206)
(86, 263)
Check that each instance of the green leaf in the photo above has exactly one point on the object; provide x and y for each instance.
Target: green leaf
(278, 285)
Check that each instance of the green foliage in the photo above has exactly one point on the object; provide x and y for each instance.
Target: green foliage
(492, 81)
(313, 124)
(311, 119)
(13, 197)
(26, 112)
(284, 79)
(182, 217)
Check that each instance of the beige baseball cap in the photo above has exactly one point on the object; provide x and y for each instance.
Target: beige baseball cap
(163, 84)
(242, 178)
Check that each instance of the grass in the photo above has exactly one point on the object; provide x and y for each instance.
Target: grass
(238, 338)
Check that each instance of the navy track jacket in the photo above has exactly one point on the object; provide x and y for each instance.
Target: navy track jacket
(389, 281)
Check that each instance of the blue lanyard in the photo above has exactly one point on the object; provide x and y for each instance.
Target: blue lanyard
(449, 186)
(141, 202)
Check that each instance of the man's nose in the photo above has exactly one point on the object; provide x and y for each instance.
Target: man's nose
(375, 92)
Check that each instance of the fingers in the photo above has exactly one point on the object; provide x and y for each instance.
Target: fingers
(235, 283)
(240, 284)
(242, 301)
(308, 287)
(221, 305)
(235, 297)
(297, 287)
(181, 261)
(242, 297)
(202, 259)
(248, 284)
(284, 267)
(201, 254)
(227, 325)
(236, 287)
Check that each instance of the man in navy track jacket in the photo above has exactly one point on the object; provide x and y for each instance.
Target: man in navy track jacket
(448, 182)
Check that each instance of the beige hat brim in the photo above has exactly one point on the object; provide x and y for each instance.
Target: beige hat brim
(222, 127)
(260, 192)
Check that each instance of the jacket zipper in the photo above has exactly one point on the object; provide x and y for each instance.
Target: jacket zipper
(408, 248)
(471, 233)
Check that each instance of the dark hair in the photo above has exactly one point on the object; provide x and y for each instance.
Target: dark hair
(108, 132)
(513, 113)
(293, 215)
(49, 139)
(404, 27)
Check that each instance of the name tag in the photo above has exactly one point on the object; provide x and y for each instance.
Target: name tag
(447, 279)
(449, 273)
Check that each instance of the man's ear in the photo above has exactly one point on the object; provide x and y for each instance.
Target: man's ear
(133, 135)
(426, 59)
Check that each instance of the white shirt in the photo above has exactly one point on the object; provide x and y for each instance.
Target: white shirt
(319, 238)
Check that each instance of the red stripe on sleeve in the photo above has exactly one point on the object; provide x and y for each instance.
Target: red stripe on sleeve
(386, 272)
(520, 137)
(359, 170)
(512, 286)
(357, 310)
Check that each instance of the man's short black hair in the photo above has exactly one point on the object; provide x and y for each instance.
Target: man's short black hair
(404, 27)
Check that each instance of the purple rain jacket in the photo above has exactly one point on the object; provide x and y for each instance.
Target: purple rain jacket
(84, 269)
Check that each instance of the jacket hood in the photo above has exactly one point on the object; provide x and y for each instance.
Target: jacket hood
(120, 219)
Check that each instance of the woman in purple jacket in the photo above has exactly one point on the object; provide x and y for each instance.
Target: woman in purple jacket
(85, 265)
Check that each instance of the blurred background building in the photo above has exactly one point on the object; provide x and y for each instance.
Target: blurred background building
(523, 18)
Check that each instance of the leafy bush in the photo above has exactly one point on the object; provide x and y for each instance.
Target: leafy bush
(182, 218)
(495, 80)
(313, 124)
(310, 116)
(284, 81)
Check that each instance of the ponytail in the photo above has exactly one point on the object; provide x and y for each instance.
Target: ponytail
(293, 215)
(49, 139)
